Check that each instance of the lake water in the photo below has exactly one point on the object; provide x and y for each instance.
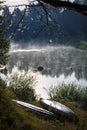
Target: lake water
(60, 65)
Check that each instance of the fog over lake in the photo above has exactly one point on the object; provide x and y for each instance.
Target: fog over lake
(54, 60)
(60, 64)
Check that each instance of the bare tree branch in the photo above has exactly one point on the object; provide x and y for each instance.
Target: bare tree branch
(45, 10)
(46, 15)
(68, 5)
(58, 4)
(25, 5)
(17, 26)
(41, 30)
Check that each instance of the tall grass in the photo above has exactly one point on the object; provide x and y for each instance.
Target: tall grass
(70, 92)
(13, 117)
(22, 83)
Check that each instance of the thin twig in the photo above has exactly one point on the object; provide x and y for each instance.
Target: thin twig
(45, 10)
(18, 24)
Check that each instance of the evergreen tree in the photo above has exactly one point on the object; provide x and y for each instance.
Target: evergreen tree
(4, 46)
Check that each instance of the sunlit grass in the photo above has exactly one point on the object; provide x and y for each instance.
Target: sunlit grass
(70, 92)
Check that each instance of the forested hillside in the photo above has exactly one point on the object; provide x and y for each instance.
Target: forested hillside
(65, 27)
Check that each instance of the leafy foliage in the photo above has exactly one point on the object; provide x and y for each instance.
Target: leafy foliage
(82, 45)
(13, 117)
(4, 47)
(84, 101)
(10, 115)
(6, 116)
(22, 85)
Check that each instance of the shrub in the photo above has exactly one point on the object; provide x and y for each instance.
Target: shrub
(22, 83)
(69, 92)
(11, 116)
(84, 101)
(6, 117)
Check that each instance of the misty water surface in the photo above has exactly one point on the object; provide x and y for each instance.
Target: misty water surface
(54, 60)
(60, 65)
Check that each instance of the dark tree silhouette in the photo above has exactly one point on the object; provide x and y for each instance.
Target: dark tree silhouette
(4, 44)
(68, 5)
(75, 6)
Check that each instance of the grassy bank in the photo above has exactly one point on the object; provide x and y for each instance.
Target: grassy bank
(70, 92)
(14, 117)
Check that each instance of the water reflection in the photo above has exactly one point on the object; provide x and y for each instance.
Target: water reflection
(54, 60)
(45, 82)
